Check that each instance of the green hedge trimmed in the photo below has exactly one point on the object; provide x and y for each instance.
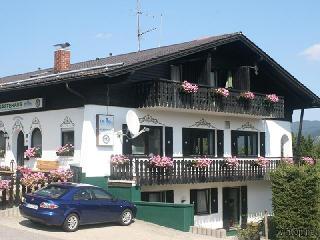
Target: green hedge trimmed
(296, 202)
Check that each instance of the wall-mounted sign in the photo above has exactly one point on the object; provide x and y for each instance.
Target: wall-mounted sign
(105, 129)
(21, 105)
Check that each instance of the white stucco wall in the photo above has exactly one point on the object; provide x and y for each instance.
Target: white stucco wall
(95, 160)
(50, 126)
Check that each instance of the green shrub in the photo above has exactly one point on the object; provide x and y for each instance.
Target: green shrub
(296, 202)
(249, 233)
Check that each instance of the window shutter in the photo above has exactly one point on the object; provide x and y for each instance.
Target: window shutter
(193, 199)
(169, 196)
(214, 200)
(233, 143)
(169, 141)
(220, 143)
(242, 78)
(126, 143)
(262, 144)
(186, 144)
(244, 204)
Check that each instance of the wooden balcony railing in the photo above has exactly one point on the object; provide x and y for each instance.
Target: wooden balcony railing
(182, 172)
(168, 93)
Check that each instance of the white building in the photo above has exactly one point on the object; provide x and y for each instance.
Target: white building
(63, 105)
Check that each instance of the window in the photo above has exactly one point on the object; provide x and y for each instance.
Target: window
(82, 194)
(100, 194)
(198, 141)
(205, 200)
(36, 138)
(2, 143)
(52, 191)
(244, 144)
(147, 143)
(162, 196)
(67, 137)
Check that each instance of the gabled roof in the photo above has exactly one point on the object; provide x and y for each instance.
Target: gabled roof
(124, 63)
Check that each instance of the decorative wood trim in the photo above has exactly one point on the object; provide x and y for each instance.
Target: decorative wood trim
(17, 124)
(204, 123)
(67, 123)
(149, 119)
(248, 125)
(35, 124)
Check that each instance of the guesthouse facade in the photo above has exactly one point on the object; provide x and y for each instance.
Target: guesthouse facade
(219, 108)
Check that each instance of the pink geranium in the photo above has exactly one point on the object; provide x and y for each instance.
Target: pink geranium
(231, 162)
(272, 98)
(5, 184)
(33, 178)
(189, 87)
(66, 150)
(201, 162)
(247, 95)
(222, 92)
(60, 175)
(119, 159)
(288, 160)
(33, 152)
(308, 160)
(158, 161)
(261, 162)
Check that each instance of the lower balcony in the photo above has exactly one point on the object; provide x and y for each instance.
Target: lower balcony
(168, 94)
(183, 171)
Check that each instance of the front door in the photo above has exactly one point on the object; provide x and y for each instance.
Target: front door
(231, 207)
(20, 149)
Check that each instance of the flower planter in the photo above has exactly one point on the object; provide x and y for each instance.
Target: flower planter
(31, 163)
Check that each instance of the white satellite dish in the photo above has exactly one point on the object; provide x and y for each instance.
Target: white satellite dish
(133, 122)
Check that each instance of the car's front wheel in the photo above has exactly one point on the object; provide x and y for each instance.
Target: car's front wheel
(126, 217)
(71, 223)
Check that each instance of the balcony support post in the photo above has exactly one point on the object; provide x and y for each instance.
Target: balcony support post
(297, 157)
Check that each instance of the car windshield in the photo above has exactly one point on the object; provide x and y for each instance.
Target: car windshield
(52, 191)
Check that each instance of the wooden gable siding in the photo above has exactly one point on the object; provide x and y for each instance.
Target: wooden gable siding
(155, 72)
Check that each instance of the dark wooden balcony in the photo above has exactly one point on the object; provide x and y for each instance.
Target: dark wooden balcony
(182, 172)
(169, 94)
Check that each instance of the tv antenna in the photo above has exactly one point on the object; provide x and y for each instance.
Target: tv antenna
(139, 32)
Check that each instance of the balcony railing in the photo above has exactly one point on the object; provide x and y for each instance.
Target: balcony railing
(168, 93)
(182, 172)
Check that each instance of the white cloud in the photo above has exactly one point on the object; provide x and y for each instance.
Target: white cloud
(103, 35)
(312, 53)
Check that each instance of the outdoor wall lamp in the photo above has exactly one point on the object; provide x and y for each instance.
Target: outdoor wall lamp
(6, 135)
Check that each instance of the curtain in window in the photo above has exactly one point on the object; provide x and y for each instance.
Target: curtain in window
(202, 201)
(175, 73)
(36, 138)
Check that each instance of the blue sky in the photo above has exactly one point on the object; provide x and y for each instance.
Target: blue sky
(288, 30)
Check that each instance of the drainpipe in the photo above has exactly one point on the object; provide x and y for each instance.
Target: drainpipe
(297, 158)
(74, 92)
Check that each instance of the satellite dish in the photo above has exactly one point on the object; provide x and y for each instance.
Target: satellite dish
(133, 122)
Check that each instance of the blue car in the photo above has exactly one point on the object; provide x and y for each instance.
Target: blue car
(70, 205)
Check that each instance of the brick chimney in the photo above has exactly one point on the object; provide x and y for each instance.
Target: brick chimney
(61, 60)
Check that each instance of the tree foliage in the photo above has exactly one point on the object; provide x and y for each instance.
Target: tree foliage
(308, 147)
(296, 201)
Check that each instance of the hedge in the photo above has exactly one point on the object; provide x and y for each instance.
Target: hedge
(296, 201)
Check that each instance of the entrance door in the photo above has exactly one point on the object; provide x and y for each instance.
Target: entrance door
(20, 149)
(231, 207)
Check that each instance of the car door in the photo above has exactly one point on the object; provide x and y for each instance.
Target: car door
(110, 209)
(86, 206)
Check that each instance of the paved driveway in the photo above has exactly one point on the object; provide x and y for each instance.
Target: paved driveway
(18, 228)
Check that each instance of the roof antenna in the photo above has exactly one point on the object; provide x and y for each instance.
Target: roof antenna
(139, 33)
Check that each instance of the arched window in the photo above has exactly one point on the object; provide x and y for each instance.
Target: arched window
(2, 143)
(36, 138)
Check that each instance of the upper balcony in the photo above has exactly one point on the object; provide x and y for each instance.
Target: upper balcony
(169, 94)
